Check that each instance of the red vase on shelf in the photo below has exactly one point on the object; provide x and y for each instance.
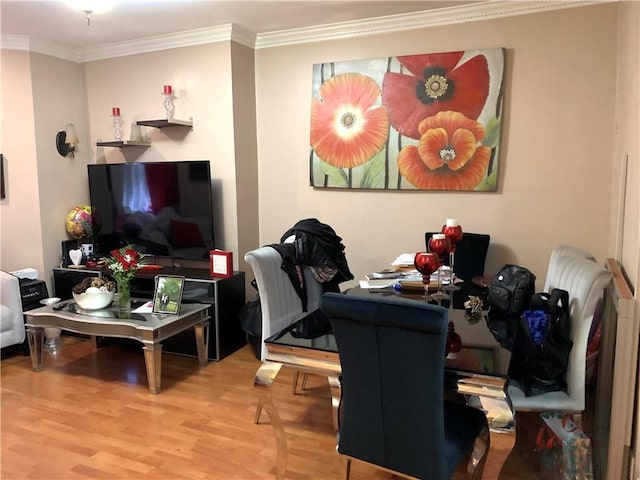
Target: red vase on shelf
(454, 342)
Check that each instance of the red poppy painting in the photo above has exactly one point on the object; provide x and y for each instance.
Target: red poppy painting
(413, 122)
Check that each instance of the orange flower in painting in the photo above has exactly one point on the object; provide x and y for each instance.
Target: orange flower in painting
(448, 155)
(347, 129)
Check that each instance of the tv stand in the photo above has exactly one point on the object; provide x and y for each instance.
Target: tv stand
(225, 295)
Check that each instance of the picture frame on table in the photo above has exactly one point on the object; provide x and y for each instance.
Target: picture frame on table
(474, 358)
(221, 263)
(167, 294)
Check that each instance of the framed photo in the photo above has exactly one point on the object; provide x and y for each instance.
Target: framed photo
(221, 263)
(167, 295)
(477, 359)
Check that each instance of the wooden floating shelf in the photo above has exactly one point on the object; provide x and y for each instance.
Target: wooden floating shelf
(165, 123)
(123, 144)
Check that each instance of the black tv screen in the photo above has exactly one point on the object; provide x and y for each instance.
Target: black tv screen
(164, 208)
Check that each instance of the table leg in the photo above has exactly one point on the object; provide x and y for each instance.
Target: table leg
(262, 383)
(502, 428)
(153, 363)
(202, 342)
(500, 446)
(490, 395)
(336, 395)
(35, 337)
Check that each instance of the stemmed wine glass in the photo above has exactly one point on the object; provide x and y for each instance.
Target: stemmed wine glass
(439, 244)
(453, 231)
(426, 263)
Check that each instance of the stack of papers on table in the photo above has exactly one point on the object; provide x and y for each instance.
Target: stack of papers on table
(381, 283)
(404, 260)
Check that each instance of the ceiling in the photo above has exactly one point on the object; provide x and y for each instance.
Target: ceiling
(59, 23)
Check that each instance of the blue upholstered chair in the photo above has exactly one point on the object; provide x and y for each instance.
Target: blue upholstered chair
(471, 253)
(393, 414)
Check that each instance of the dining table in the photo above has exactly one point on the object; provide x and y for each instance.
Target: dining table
(478, 375)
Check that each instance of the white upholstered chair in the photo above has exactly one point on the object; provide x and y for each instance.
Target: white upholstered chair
(281, 305)
(554, 270)
(12, 331)
(577, 272)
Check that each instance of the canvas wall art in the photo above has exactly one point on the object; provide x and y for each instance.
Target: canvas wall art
(415, 122)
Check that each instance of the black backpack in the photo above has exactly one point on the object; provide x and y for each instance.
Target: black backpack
(540, 357)
(508, 295)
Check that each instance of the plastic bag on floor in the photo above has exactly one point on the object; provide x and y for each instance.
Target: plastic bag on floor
(565, 450)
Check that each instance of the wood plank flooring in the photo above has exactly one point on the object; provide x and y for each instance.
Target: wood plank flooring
(89, 414)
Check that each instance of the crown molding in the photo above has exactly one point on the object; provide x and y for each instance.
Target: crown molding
(394, 23)
(488, 10)
(156, 43)
(25, 43)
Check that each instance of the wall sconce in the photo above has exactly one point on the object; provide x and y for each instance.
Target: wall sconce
(66, 140)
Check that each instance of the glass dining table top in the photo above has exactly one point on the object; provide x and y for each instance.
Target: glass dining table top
(480, 352)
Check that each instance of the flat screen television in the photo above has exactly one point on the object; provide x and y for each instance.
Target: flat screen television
(164, 208)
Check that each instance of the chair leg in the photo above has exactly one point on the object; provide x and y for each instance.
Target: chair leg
(478, 458)
(347, 470)
(258, 412)
(296, 377)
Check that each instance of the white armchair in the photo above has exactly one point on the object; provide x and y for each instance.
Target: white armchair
(554, 271)
(575, 271)
(12, 331)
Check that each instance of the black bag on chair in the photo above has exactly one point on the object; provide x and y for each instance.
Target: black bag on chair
(541, 351)
(508, 295)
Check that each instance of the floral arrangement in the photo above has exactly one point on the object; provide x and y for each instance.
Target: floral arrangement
(124, 263)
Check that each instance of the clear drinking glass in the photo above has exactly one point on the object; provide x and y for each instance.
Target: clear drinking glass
(453, 231)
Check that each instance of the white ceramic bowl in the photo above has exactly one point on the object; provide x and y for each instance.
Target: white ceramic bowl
(93, 300)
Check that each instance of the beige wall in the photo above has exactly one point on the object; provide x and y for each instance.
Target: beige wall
(21, 234)
(555, 164)
(246, 156)
(59, 97)
(625, 212)
(40, 95)
(202, 79)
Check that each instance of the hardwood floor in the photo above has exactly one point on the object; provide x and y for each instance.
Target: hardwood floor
(89, 414)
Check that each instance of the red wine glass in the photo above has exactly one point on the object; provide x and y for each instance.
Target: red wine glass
(453, 231)
(426, 263)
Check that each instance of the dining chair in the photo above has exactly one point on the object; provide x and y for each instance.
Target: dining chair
(281, 305)
(554, 269)
(470, 255)
(392, 412)
(576, 272)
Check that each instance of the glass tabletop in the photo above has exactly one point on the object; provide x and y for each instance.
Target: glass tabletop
(111, 311)
(69, 309)
(480, 352)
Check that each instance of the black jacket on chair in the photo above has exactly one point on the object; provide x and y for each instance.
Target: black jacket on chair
(315, 244)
